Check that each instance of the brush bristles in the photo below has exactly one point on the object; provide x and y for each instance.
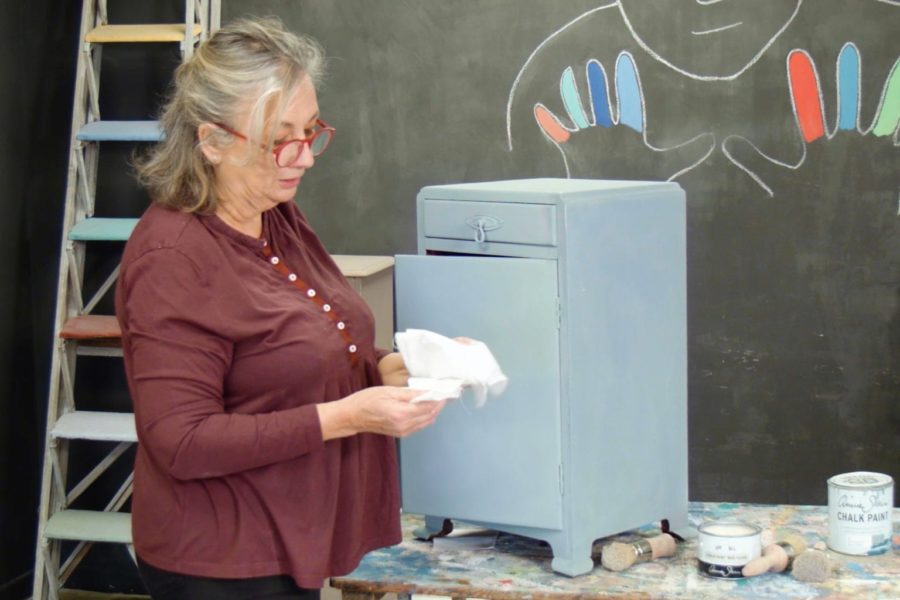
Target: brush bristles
(618, 556)
(813, 566)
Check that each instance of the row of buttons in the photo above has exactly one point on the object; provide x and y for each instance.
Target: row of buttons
(310, 293)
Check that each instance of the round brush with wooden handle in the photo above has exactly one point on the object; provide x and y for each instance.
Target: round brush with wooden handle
(618, 556)
(776, 557)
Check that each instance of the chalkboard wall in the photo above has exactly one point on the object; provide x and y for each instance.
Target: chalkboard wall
(793, 217)
(794, 258)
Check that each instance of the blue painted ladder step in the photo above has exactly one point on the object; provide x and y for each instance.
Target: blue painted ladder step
(121, 131)
(102, 230)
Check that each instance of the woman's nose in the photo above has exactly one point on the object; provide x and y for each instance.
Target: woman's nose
(305, 159)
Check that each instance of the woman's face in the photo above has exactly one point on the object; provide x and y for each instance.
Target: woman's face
(258, 184)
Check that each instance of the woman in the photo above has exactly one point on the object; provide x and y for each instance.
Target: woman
(266, 462)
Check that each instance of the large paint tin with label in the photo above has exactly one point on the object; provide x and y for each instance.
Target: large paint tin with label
(859, 512)
(725, 546)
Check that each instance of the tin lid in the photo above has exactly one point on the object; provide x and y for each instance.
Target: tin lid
(860, 480)
(728, 528)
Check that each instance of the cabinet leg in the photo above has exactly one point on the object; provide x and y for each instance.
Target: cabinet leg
(572, 562)
(434, 527)
(679, 525)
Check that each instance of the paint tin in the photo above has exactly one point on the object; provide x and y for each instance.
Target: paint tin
(859, 512)
(725, 546)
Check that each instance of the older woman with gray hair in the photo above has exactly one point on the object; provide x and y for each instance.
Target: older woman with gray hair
(266, 458)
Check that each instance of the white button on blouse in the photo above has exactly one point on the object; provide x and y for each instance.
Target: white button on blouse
(341, 326)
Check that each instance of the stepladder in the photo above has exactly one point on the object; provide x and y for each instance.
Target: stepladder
(86, 480)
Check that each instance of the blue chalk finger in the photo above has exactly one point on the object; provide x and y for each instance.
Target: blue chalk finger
(599, 88)
(628, 90)
(572, 100)
(848, 87)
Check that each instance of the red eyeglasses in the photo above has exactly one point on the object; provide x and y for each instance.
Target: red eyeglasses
(287, 153)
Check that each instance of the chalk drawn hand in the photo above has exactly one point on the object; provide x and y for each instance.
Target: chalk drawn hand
(827, 159)
(612, 140)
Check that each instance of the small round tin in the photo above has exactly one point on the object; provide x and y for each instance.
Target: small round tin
(725, 546)
(859, 512)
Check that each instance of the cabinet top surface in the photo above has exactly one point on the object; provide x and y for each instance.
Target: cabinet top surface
(543, 191)
(353, 265)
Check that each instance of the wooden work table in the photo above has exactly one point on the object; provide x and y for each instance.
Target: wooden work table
(517, 567)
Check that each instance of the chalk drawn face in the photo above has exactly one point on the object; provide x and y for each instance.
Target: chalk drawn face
(708, 39)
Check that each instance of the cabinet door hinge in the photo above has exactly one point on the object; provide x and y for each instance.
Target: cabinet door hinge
(562, 487)
(558, 313)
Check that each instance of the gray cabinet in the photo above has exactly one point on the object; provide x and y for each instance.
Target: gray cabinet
(578, 287)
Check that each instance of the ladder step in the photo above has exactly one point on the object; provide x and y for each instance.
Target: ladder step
(102, 230)
(110, 351)
(121, 131)
(96, 426)
(89, 525)
(159, 32)
(91, 327)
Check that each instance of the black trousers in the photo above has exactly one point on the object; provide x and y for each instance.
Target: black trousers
(165, 585)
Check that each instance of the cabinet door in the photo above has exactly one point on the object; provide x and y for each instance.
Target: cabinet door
(499, 463)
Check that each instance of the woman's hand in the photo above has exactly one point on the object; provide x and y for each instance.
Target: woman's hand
(393, 370)
(384, 409)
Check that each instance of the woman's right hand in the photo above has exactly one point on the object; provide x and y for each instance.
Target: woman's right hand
(383, 409)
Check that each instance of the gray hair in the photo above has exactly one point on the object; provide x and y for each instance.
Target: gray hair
(253, 60)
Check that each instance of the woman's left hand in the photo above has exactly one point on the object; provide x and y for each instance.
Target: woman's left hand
(379, 409)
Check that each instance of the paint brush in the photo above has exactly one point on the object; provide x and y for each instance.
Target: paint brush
(813, 566)
(619, 556)
(776, 557)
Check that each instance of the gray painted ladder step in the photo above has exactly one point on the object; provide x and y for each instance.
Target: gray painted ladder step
(102, 230)
(89, 525)
(97, 426)
(121, 131)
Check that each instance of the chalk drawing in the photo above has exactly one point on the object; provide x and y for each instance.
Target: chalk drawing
(734, 55)
(627, 111)
(712, 40)
(717, 29)
(748, 28)
(808, 105)
(530, 59)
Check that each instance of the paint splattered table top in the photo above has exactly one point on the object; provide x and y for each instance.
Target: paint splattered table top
(517, 567)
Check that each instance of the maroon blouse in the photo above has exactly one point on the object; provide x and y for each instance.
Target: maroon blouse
(229, 343)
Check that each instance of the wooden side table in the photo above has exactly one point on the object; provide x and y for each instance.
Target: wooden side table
(373, 278)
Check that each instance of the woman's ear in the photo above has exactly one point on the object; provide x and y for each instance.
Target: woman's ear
(205, 136)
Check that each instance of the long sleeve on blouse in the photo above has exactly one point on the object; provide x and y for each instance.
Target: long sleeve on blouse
(179, 359)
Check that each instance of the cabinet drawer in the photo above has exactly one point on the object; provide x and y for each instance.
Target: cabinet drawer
(502, 222)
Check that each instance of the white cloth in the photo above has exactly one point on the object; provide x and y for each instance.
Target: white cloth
(443, 366)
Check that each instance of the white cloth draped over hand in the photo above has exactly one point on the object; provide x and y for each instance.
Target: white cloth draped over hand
(442, 366)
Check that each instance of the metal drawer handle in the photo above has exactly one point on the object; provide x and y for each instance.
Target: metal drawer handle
(482, 224)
